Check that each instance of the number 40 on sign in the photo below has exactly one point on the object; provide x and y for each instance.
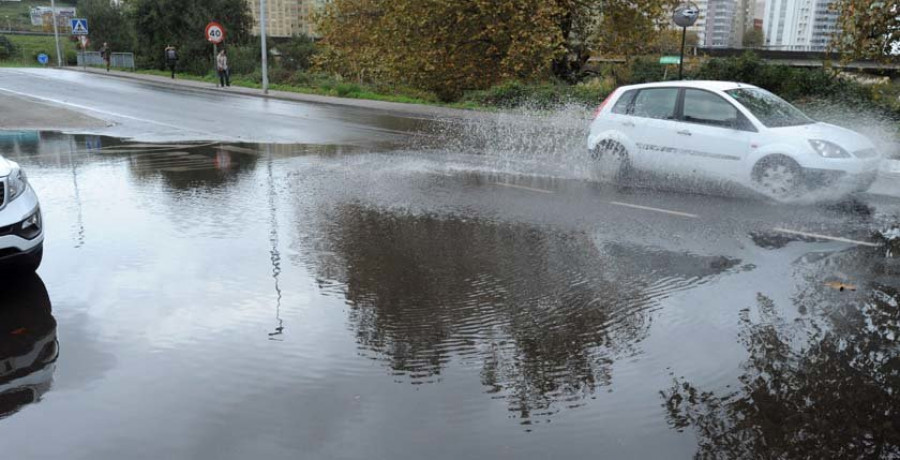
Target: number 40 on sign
(215, 33)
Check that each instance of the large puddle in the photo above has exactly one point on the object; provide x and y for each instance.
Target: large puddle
(297, 301)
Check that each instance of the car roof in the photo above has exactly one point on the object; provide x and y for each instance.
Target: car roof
(699, 84)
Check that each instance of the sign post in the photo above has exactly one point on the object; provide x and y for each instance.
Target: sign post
(80, 30)
(686, 14)
(215, 34)
(43, 59)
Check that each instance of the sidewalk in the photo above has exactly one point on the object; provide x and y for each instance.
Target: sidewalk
(414, 110)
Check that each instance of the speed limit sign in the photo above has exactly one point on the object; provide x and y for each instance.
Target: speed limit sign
(215, 33)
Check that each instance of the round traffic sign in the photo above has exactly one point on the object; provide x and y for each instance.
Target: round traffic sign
(215, 33)
(43, 59)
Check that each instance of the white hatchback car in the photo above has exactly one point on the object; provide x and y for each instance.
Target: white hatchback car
(21, 227)
(722, 131)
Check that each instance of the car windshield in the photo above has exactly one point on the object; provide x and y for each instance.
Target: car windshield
(771, 110)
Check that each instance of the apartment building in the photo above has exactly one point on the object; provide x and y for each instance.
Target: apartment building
(287, 18)
(799, 25)
(726, 22)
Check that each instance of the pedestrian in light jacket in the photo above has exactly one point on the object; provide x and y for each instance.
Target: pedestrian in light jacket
(222, 68)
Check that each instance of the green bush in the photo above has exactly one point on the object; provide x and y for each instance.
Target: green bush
(7, 48)
(538, 96)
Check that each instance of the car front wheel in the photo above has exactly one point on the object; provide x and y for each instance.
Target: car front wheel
(778, 176)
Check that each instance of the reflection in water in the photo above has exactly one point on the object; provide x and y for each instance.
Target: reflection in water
(275, 255)
(28, 346)
(544, 314)
(824, 386)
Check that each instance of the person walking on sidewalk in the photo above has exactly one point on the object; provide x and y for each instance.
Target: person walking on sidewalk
(171, 59)
(222, 68)
(105, 53)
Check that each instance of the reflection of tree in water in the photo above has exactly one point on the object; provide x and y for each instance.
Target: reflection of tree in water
(824, 386)
(544, 314)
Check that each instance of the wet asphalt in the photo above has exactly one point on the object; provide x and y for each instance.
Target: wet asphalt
(368, 286)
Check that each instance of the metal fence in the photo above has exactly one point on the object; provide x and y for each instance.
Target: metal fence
(116, 60)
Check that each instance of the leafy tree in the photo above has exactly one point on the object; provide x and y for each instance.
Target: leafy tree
(668, 41)
(298, 53)
(7, 48)
(109, 23)
(181, 23)
(754, 38)
(868, 29)
(452, 46)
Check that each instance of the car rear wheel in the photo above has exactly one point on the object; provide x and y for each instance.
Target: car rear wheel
(778, 176)
(612, 159)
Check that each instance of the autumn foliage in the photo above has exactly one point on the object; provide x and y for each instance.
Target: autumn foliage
(449, 46)
(868, 29)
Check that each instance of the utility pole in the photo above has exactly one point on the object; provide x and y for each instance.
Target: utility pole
(59, 59)
(265, 52)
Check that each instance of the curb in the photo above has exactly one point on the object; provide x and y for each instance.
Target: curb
(368, 104)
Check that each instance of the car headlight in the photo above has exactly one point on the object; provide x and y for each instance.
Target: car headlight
(17, 183)
(828, 149)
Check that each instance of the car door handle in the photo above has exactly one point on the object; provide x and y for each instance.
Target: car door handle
(685, 132)
(628, 124)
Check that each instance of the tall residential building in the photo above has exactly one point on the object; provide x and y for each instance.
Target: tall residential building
(282, 17)
(287, 18)
(726, 22)
(699, 27)
(799, 25)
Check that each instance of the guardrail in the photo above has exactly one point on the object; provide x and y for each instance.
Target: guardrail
(117, 60)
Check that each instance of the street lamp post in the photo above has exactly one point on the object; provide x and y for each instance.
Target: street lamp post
(59, 59)
(265, 52)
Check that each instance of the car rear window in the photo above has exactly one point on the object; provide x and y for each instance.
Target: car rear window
(656, 103)
(624, 102)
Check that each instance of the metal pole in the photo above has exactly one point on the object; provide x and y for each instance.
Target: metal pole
(681, 61)
(59, 60)
(265, 52)
(216, 63)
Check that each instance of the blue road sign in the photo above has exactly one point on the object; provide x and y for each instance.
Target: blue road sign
(79, 26)
(43, 59)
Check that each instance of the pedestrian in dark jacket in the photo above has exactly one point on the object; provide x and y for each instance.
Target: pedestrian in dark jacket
(105, 53)
(171, 59)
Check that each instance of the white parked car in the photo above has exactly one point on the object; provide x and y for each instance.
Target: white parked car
(21, 227)
(722, 131)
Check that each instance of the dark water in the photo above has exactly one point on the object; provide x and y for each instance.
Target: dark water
(294, 301)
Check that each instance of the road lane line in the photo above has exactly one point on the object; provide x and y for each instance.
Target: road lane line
(648, 208)
(177, 128)
(522, 187)
(826, 237)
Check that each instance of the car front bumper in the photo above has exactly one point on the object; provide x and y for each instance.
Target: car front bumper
(12, 240)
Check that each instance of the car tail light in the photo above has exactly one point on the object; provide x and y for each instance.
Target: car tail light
(603, 104)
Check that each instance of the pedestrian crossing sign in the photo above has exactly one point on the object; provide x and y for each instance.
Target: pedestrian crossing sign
(79, 26)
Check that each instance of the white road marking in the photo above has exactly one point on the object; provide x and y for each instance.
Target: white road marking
(664, 211)
(826, 237)
(105, 112)
(522, 187)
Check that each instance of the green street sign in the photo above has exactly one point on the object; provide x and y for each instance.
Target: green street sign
(670, 60)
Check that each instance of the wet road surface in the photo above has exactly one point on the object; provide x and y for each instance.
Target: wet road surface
(144, 112)
(235, 300)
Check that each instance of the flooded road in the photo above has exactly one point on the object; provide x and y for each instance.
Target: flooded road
(341, 301)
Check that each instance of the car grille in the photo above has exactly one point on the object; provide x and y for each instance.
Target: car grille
(2, 193)
(867, 153)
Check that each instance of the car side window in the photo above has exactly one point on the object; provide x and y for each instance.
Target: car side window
(624, 103)
(656, 103)
(708, 108)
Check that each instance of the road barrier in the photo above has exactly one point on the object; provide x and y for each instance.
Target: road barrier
(116, 60)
